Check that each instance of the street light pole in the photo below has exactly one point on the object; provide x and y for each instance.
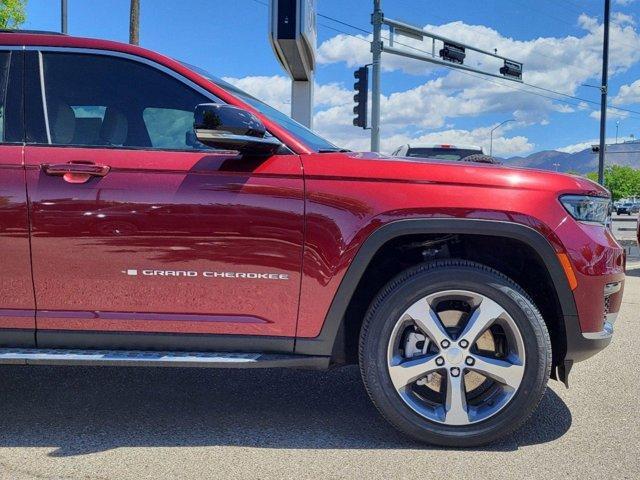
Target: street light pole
(491, 136)
(617, 126)
(603, 92)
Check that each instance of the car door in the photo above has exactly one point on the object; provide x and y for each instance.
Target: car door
(141, 237)
(17, 304)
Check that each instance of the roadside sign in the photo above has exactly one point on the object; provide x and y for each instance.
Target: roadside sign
(293, 35)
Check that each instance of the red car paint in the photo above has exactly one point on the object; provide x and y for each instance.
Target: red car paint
(303, 216)
(16, 289)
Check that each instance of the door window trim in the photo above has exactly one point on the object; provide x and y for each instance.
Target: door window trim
(13, 92)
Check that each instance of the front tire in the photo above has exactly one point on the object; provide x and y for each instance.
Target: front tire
(454, 353)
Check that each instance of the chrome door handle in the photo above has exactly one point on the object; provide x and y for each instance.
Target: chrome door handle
(76, 172)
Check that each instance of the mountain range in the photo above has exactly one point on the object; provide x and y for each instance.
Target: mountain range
(584, 161)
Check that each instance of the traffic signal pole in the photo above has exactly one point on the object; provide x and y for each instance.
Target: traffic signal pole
(376, 50)
(452, 55)
(603, 92)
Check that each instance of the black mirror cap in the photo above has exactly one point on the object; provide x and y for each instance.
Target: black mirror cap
(234, 120)
(227, 127)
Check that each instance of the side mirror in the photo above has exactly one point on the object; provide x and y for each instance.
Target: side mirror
(231, 128)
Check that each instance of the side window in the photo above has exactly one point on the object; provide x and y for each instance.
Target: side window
(4, 80)
(168, 127)
(98, 100)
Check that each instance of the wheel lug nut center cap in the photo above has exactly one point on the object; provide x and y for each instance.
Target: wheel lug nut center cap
(454, 356)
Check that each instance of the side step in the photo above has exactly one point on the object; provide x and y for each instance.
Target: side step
(139, 358)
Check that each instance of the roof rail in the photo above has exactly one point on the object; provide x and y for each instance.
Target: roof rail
(35, 32)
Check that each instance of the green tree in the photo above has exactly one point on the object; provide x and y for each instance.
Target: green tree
(623, 182)
(12, 13)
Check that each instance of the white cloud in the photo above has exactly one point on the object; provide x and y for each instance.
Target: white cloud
(502, 146)
(275, 90)
(560, 64)
(334, 112)
(427, 112)
(611, 113)
(628, 94)
(578, 147)
(622, 19)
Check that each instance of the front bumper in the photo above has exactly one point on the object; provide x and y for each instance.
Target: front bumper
(583, 345)
(599, 266)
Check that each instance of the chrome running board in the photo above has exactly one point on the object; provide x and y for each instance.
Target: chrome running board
(139, 358)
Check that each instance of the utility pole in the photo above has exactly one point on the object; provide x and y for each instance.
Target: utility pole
(376, 50)
(603, 91)
(134, 23)
(617, 127)
(63, 16)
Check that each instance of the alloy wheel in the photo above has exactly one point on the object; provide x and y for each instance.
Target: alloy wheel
(456, 357)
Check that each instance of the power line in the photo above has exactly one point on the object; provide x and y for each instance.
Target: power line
(569, 2)
(548, 90)
(545, 14)
(344, 23)
(498, 83)
(583, 69)
(572, 6)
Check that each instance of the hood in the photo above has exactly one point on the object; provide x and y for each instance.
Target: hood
(378, 166)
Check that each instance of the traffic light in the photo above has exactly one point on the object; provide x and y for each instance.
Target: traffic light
(453, 53)
(511, 69)
(361, 97)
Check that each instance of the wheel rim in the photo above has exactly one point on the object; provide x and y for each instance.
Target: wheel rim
(456, 357)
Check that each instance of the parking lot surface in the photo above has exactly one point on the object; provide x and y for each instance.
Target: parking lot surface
(108, 423)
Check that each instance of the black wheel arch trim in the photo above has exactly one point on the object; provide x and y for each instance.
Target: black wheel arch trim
(328, 341)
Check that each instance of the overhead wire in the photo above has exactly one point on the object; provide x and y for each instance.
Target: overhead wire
(612, 110)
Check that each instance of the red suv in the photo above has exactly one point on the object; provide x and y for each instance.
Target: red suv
(152, 214)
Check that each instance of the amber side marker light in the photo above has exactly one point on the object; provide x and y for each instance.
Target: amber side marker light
(568, 270)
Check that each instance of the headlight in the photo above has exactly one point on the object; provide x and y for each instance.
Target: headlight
(588, 209)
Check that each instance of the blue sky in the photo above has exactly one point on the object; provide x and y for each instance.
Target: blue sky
(559, 42)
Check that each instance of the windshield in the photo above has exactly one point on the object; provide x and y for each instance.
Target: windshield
(301, 132)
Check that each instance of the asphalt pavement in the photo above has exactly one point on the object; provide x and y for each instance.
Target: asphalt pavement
(153, 423)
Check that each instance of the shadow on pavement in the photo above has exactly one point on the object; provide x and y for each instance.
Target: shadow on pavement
(634, 272)
(81, 410)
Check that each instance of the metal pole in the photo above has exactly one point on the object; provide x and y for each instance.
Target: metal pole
(376, 50)
(617, 127)
(603, 97)
(491, 136)
(63, 16)
(302, 101)
(134, 23)
(491, 144)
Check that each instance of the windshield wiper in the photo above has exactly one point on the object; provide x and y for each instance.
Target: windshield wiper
(333, 150)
